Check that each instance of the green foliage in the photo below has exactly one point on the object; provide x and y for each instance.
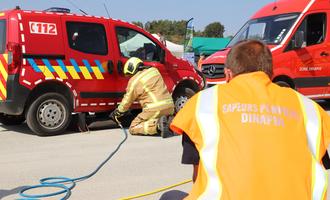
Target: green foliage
(215, 29)
(175, 30)
(172, 30)
(198, 33)
(140, 24)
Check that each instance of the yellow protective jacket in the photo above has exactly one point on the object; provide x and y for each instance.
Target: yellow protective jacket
(147, 87)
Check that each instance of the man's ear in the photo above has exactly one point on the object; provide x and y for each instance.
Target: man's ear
(228, 74)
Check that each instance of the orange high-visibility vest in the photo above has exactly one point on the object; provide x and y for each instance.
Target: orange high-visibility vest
(256, 141)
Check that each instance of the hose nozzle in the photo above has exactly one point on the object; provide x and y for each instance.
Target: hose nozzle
(118, 122)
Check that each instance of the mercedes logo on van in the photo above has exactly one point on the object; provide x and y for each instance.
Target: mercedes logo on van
(212, 70)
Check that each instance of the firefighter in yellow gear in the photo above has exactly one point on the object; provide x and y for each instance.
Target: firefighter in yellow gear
(148, 88)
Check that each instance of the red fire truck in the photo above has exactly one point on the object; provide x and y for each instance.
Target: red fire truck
(54, 64)
(296, 31)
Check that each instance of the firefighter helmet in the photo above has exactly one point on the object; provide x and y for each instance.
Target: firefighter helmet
(132, 65)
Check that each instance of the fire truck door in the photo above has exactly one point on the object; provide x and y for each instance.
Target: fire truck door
(89, 52)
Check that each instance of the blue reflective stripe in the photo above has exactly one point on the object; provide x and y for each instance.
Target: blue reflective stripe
(75, 65)
(86, 63)
(48, 65)
(61, 64)
(98, 63)
(34, 65)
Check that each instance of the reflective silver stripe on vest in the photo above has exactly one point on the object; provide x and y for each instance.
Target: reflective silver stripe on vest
(312, 121)
(209, 124)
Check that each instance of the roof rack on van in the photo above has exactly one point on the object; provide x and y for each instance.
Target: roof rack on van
(58, 9)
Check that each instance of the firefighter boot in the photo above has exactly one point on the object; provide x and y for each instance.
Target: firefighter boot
(163, 126)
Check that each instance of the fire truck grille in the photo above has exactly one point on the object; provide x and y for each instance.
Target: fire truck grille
(213, 70)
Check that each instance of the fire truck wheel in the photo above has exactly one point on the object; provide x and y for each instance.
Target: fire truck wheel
(9, 120)
(283, 84)
(181, 97)
(49, 114)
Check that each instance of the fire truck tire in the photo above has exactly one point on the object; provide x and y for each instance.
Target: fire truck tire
(283, 84)
(9, 120)
(49, 114)
(181, 97)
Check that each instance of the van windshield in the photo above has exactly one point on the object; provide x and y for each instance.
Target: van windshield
(271, 30)
(2, 36)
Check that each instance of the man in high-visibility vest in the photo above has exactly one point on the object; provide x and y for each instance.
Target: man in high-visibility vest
(255, 140)
(148, 88)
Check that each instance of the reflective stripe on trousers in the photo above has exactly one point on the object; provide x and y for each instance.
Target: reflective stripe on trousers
(209, 124)
(312, 121)
(146, 125)
(146, 122)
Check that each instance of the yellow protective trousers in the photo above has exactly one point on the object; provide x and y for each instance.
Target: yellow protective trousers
(146, 122)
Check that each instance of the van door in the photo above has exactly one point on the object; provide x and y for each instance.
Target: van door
(89, 57)
(310, 56)
(133, 43)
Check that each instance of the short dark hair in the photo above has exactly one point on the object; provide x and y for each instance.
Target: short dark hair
(250, 56)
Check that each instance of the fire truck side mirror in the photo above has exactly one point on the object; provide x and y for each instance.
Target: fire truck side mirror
(299, 39)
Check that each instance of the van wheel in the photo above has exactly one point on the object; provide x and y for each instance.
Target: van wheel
(9, 120)
(49, 114)
(181, 97)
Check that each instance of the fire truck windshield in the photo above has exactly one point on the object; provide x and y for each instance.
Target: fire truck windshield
(271, 30)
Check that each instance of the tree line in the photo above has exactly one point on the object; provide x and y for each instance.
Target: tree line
(175, 30)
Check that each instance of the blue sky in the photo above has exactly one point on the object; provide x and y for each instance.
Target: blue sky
(232, 13)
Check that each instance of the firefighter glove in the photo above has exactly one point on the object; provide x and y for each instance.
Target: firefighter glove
(116, 114)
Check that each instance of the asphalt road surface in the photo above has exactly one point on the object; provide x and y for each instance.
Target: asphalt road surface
(141, 165)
